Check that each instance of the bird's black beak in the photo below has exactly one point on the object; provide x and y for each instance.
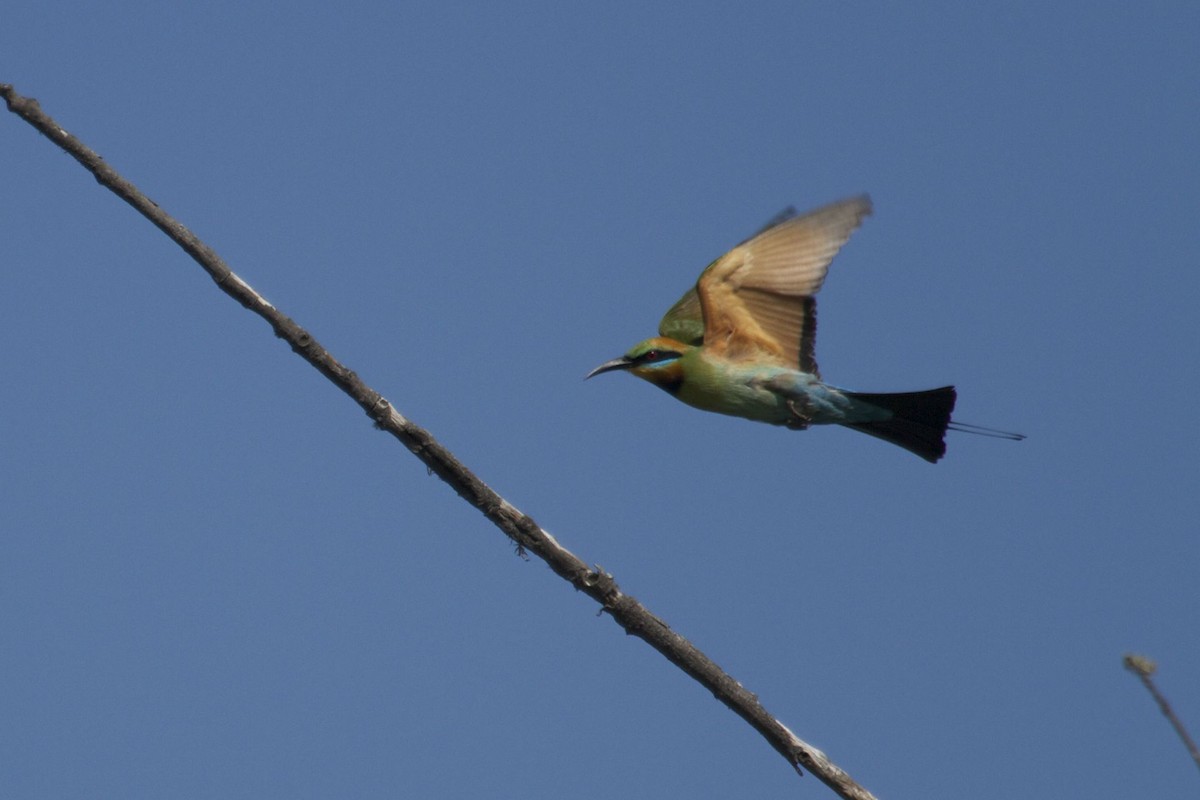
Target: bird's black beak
(609, 366)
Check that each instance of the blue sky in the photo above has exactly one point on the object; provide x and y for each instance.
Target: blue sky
(220, 581)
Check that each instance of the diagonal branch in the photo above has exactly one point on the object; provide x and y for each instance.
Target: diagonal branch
(1145, 668)
(524, 532)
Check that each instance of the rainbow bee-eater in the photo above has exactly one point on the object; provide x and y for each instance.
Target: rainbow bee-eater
(741, 341)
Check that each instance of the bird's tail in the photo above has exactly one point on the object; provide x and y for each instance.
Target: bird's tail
(919, 420)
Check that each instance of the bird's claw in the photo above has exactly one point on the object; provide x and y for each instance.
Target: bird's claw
(801, 417)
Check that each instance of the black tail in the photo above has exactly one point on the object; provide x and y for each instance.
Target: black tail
(919, 422)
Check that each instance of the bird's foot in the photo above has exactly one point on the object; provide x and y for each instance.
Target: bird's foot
(801, 415)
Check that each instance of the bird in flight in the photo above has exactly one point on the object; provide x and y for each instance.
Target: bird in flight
(741, 341)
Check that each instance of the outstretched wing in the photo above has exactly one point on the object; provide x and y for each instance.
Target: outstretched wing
(757, 300)
(684, 321)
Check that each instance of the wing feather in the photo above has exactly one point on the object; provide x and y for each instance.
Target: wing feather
(684, 322)
(757, 299)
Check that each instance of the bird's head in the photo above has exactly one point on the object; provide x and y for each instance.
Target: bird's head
(655, 360)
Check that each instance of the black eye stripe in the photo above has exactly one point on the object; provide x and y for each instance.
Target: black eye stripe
(654, 356)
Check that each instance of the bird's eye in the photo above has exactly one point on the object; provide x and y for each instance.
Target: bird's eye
(654, 356)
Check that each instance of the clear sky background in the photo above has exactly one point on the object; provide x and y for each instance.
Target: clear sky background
(217, 580)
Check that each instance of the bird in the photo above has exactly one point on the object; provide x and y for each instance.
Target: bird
(741, 341)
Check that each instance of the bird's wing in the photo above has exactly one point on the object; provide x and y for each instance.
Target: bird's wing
(684, 321)
(757, 299)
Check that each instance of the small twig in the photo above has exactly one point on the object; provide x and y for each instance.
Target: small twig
(524, 532)
(1145, 668)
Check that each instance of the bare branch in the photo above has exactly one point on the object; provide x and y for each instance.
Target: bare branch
(527, 534)
(1145, 668)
